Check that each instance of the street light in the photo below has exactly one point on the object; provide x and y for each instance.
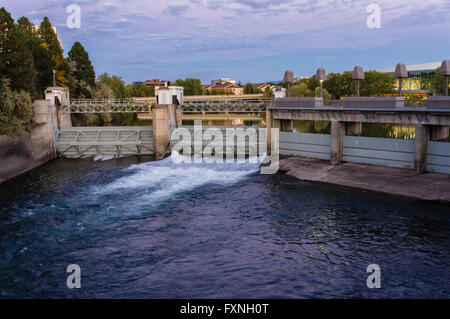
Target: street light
(445, 72)
(400, 73)
(289, 79)
(54, 78)
(358, 75)
(321, 76)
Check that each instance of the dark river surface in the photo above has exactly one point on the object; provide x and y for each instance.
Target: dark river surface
(142, 229)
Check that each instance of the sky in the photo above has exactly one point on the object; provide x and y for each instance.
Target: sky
(248, 40)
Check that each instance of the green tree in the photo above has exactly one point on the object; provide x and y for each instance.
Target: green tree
(82, 71)
(16, 110)
(42, 64)
(377, 83)
(340, 85)
(437, 84)
(50, 42)
(248, 88)
(191, 86)
(140, 90)
(326, 94)
(301, 89)
(268, 92)
(15, 59)
(116, 84)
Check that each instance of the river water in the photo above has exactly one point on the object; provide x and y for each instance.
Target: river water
(143, 229)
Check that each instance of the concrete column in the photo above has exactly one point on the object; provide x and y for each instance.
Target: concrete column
(161, 130)
(353, 128)
(268, 130)
(420, 153)
(179, 117)
(337, 136)
(286, 125)
(439, 133)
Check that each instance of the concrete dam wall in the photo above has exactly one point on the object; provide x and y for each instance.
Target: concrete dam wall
(34, 148)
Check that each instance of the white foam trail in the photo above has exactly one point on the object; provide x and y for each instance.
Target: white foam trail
(164, 179)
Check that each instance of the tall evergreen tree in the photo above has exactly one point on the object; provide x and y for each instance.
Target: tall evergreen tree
(42, 65)
(15, 59)
(85, 70)
(51, 43)
(83, 74)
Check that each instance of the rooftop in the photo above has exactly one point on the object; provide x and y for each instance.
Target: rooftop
(415, 67)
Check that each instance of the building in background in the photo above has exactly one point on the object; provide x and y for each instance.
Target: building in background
(224, 88)
(156, 82)
(420, 77)
(262, 86)
(226, 81)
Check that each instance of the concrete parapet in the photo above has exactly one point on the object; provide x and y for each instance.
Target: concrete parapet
(299, 102)
(373, 102)
(439, 102)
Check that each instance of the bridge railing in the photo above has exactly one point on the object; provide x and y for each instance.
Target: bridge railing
(224, 105)
(107, 106)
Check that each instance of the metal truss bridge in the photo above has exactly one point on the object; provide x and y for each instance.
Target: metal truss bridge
(107, 106)
(220, 105)
(225, 106)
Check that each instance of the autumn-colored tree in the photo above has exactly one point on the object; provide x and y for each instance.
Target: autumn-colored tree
(49, 37)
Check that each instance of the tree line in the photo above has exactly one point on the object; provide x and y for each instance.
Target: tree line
(339, 85)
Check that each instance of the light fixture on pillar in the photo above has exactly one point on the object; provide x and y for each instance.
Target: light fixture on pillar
(358, 75)
(54, 78)
(445, 72)
(400, 73)
(289, 79)
(321, 76)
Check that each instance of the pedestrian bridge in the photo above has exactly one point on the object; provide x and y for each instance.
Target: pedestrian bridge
(247, 104)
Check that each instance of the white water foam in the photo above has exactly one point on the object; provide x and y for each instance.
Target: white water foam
(163, 179)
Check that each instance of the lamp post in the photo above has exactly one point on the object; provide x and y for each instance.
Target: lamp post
(321, 76)
(400, 73)
(358, 75)
(445, 72)
(289, 79)
(54, 78)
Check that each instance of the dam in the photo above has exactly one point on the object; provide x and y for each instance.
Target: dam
(144, 226)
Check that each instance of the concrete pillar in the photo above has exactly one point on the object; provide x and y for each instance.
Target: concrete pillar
(161, 130)
(337, 136)
(179, 117)
(439, 133)
(420, 152)
(268, 130)
(353, 128)
(286, 125)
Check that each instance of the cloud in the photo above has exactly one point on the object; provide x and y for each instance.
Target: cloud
(229, 30)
